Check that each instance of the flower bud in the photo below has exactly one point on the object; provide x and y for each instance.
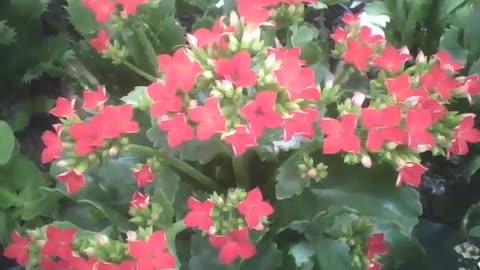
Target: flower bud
(113, 152)
(131, 235)
(312, 173)
(89, 251)
(102, 239)
(207, 74)
(217, 94)
(192, 40)
(234, 20)
(421, 59)
(366, 161)
(358, 99)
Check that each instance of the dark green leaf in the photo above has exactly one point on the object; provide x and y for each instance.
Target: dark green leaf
(302, 35)
(302, 253)
(289, 180)
(203, 22)
(82, 19)
(137, 97)
(172, 233)
(203, 4)
(471, 35)
(167, 181)
(28, 9)
(7, 34)
(474, 232)
(166, 216)
(450, 42)
(330, 253)
(267, 257)
(170, 34)
(376, 8)
(7, 143)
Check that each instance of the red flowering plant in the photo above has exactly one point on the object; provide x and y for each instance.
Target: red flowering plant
(258, 161)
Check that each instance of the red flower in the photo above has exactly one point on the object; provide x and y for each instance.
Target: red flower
(447, 62)
(357, 54)
(472, 86)
(438, 110)
(79, 263)
(417, 122)
(254, 12)
(178, 130)
(103, 9)
(152, 254)
(139, 200)
(376, 246)
(180, 70)
(241, 139)
(254, 209)
(436, 75)
(366, 36)
(63, 108)
(144, 175)
(287, 55)
(298, 81)
(131, 6)
(18, 248)
(93, 100)
(53, 146)
(101, 41)
(205, 37)
(260, 113)
(300, 123)
(382, 125)
(464, 133)
(87, 136)
(392, 59)
(339, 35)
(209, 119)
(118, 121)
(399, 88)
(47, 263)
(237, 70)
(199, 214)
(73, 180)
(59, 242)
(374, 266)
(165, 98)
(340, 134)
(125, 265)
(234, 245)
(411, 174)
(350, 18)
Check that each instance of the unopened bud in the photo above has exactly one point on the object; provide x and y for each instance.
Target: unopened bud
(217, 94)
(113, 152)
(312, 173)
(358, 99)
(131, 235)
(192, 40)
(207, 74)
(233, 18)
(102, 239)
(421, 59)
(366, 161)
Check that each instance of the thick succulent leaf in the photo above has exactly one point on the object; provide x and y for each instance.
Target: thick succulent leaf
(267, 257)
(82, 19)
(450, 42)
(289, 180)
(7, 143)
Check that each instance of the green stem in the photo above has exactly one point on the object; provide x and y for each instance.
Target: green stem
(343, 74)
(240, 169)
(306, 148)
(176, 163)
(146, 44)
(140, 72)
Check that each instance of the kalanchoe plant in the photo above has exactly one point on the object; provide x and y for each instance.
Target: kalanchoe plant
(241, 126)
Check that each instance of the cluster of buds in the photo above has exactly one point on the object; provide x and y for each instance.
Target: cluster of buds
(308, 170)
(228, 219)
(77, 143)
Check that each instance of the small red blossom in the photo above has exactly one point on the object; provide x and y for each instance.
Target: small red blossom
(417, 123)
(260, 113)
(18, 249)
(165, 98)
(357, 54)
(254, 209)
(411, 174)
(205, 37)
(118, 121)
(285, 55)
(199, 214)
(234, 245)
(139, 200)
(391, 59)
(59, 242)
(53, 146)
(87, 135)
(73, 181)
(339, 35)
(297, 80)
(376, 246)
(254, 12)
(47, 263)
(340, 135)
(178, 130)
(447, 62)
(350, 18)
(300, 123)
(79, 263)
(103, 9)
(436, 108)
(464, 133)
(131, 6)
(152, 253)
(100, 42)
(144, 175)
(93, 100)
(64, 108)
(237, 70)
(241, 139)
(368, 38)
(472, 86)
(179, 69)
(434, 77)
(399, 88)
(209, 118)
(382, 125)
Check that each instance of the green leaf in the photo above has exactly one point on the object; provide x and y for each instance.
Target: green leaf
(311, 52)
(137, 97)
(81, 18)
(165, 8)
(204, 257)
(302, 253)
(7, 225)
(7, 34)
(330, 253)
(172, 233)
(167, 181)
(474, 232)
(170, 34)
(450, 42)
(471, 35)
(28, 9)
(267, 257)
(203, 4)
(289, 180)
(7, 143)
(203, 22)
(376, 8)
(302, 35)
(166, 216)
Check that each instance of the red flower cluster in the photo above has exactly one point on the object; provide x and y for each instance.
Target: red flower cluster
(84, 138)
(104, 9)
(57, 252)
(235, 244)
